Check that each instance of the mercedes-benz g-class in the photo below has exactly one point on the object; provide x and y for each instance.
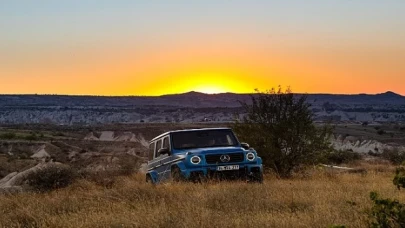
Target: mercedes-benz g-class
(199, 154)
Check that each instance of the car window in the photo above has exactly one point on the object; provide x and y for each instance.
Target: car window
(166, 143)
(229, 139)
(158, 146)
(203, 138)
(151, 151)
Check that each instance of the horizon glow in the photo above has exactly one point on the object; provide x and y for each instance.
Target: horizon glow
(124, 47)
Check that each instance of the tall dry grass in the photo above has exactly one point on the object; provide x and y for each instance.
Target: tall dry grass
(316, 200)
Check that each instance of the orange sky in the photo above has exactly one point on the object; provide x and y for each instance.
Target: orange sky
(60, 54)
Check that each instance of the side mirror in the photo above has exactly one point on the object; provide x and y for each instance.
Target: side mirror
(164, 151)
(245, 146)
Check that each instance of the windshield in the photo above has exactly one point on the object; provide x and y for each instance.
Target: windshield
(203, 138)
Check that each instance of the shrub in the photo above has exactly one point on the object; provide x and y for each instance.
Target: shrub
(381, 132)
(388, 212)
(394, 155)
(128, 165)
(279, 124)
(399, 179)
(104, 178)
(60, 134)
(8, 135)
(374, 154)
(340, 156)
(50, 178)
(31, 137)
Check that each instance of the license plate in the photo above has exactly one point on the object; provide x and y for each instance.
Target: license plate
(227, 167)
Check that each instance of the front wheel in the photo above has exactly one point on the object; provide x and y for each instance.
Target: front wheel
(176, 175)
(256, 178)
(149, 179)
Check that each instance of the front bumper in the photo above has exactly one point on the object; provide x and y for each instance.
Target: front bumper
(245, 172)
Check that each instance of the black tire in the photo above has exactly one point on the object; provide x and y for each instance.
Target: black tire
(256, 178)
(260, 178)
(176, 174)
(149, 179)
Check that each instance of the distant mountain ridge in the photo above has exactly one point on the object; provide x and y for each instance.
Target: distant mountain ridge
(186, 107)
(189, 99)
(196, 93)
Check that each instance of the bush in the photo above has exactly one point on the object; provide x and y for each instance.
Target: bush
(60, 134)
(399, 179)
(51, 178)
(8, 135)
(279, 125)
(128, 165)
(381, 132)
(374, 154)
(388, 212)
(104, 178)
(340, 156)
(31, 137)
(394, 155)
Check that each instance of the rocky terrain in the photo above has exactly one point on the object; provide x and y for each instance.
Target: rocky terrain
(105, 148)
(121, 147)
(185, 108)
(111, 134)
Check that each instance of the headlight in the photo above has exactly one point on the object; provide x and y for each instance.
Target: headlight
(250, 156)
(195, 160)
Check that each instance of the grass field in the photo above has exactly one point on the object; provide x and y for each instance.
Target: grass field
(318, 199)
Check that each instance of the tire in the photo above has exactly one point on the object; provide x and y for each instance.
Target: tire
(256, 178)
(176, 175)
(149, 179)
(260, 178)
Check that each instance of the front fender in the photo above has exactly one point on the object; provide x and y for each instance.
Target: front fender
(259, 160)
(181, 165)
(154, 176)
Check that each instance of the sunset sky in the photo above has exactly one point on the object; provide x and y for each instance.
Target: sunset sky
(122, 47)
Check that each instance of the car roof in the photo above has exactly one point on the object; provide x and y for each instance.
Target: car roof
(186, 130)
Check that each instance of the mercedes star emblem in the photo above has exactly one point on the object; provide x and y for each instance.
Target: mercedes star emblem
(225, 158)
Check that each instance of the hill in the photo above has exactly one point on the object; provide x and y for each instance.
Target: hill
(186, 107)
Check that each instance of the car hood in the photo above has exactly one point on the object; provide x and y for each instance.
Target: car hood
(215, 150)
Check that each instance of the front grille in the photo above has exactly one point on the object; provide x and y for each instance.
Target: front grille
(215, 158)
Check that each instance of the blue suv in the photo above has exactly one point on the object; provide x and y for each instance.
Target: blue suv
(198, 154)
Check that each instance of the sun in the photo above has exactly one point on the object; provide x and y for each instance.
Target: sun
(202, 82)
(208, 82)
(209, 89)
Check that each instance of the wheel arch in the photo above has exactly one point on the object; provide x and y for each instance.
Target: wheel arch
(152, 175)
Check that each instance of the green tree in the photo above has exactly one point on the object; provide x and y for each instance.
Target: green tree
(279, 125)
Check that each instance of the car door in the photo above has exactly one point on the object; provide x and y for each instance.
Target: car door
(162, 166)
(166, 159)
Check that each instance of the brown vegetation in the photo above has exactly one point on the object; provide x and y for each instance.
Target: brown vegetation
(316, 199)
(102, 197)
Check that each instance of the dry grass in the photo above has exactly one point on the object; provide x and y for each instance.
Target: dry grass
(318, 200)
